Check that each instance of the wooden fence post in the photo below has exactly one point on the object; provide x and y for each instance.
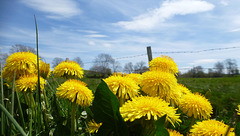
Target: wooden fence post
(149, 53)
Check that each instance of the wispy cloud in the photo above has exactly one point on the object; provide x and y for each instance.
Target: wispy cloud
(96, 35)
(55, 9)
(205, 61)
(167, 10)
(235, 30)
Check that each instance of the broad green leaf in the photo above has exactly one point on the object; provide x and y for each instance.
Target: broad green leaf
(160, 130)
(106, 110)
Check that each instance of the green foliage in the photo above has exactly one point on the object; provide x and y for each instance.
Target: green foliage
(160, 130)
(19, 128)
(237, 129)
(106, 110)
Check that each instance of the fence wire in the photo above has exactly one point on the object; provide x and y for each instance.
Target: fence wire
(173, 52)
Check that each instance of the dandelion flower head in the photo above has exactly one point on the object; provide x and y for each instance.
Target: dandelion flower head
(118, 74)
(75, 90)
(238, 110)
(123, 87)
(44, 69)
(176, 95)
(196, 105)
(156, 83)
(68, 69)
(29, 83)
(163, 63)
(135, 76)
(184, 90)
(24, 63)
(93, 126)
(174, 133)
(148, 107)
(210, 128)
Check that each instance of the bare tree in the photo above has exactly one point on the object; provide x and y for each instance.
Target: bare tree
(20, 48)
(196, 72)
(231, 66)
(3, 57)
(116, 66)
(56, 61)
(128, 67)
(140, 67)
(102, 63)
(79, 61)
(219, 66)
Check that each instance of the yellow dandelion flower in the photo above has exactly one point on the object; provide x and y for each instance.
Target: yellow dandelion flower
(238, 110)
(135, 76)
(118, 74)
(163, 63)
(24, 63)
(68, 69)
(44, 69)
(184, 90)
(29, 83)
(123, 87)
(174, 133)
(93, 126)
(75, 90)
(196, 105)
(156, 83)
(148, 107)
(210, 128)
(175, 97)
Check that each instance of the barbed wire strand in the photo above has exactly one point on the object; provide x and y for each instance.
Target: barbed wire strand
(172, 52)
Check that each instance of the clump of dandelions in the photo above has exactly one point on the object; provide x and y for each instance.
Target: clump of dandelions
(148, 108)
(163, 63)
(75, 90)
(69, 69)
(196, 105)
(210, 128)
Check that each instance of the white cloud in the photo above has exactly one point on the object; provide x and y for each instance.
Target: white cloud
(224, 3)
(167, 10)
(96, 35)
(56, 9)
(107, 45)
(235, 30)
(205, 61)
(91, 43)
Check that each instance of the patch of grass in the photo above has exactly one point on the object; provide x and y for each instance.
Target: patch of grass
(223, 93)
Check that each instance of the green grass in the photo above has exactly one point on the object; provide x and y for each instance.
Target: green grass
(223, 93)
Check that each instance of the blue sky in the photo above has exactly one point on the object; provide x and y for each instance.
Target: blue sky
(80, 28)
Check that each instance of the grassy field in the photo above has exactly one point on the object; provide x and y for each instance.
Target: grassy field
(223, 93)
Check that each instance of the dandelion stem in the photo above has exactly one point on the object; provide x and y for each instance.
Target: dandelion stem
(4, 110)
(45, 98)
(73, 120)
(12, 102)
(20, 110)
(2, 102)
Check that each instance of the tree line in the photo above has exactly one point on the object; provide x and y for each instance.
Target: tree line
(106, 64)
(227, 67)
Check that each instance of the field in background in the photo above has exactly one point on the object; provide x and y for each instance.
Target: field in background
(223, 93)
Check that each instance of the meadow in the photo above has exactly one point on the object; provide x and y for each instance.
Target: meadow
(71, 101)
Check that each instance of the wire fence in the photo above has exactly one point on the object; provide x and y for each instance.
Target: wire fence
(172, 52)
